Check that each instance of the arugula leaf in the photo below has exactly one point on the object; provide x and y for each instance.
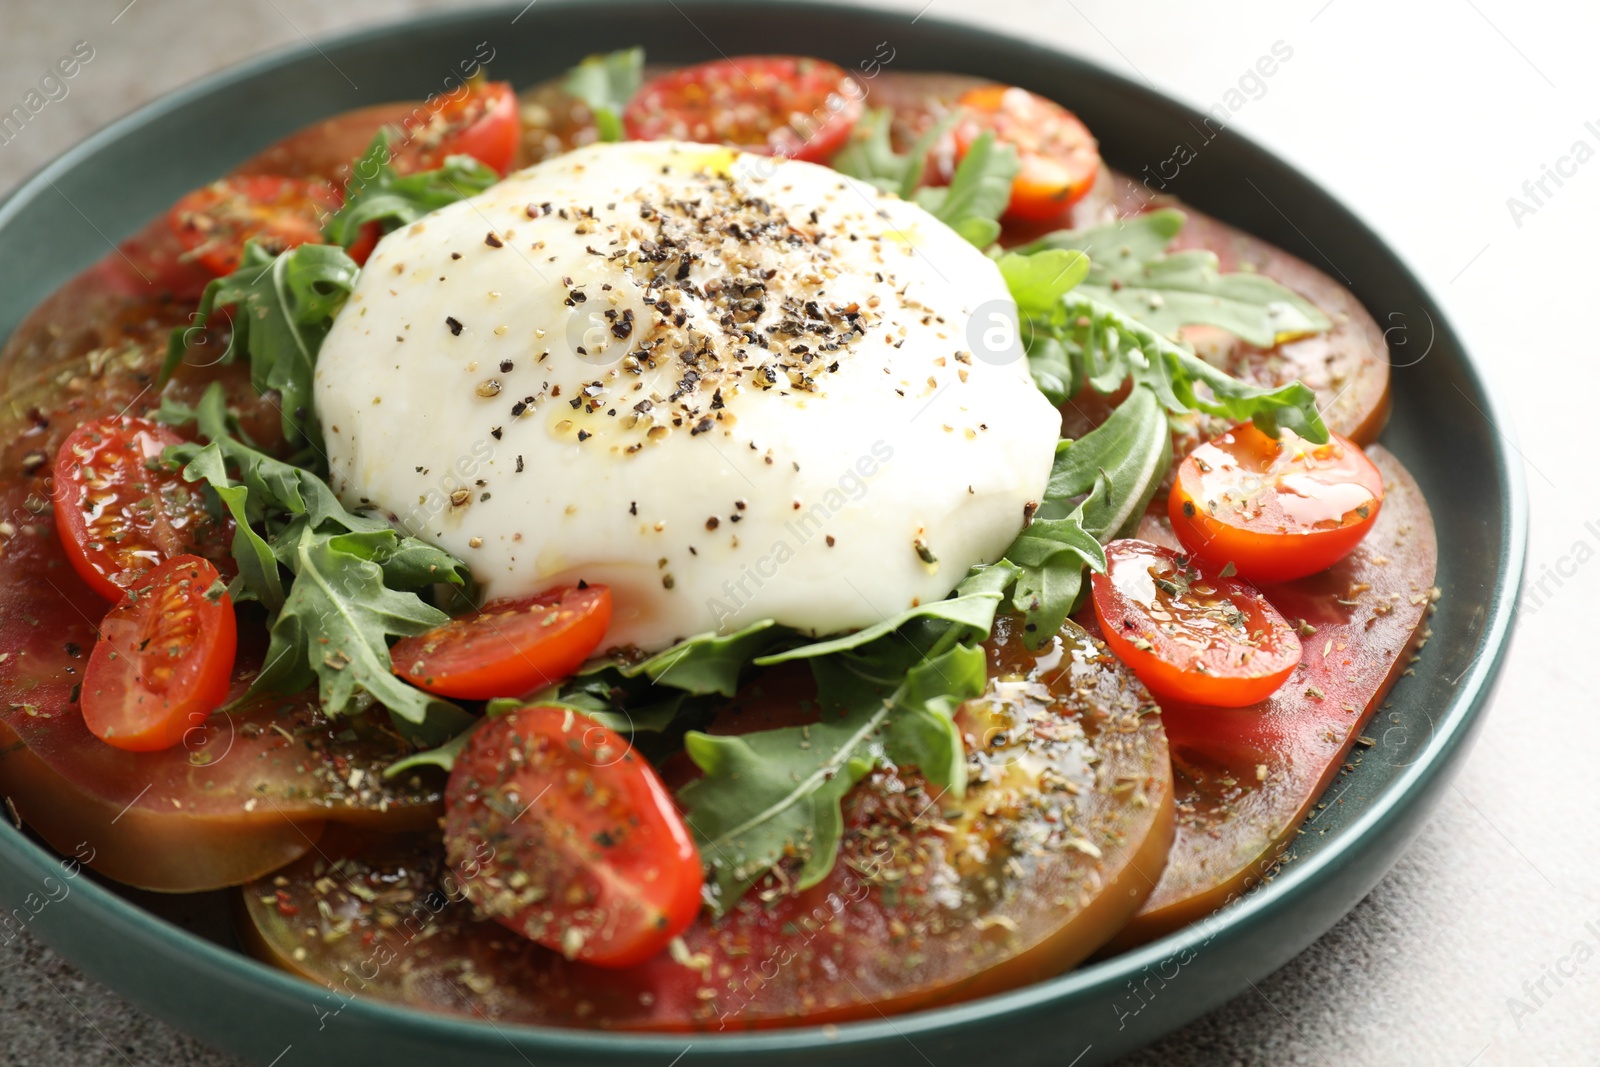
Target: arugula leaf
(1132, 272)
(708, 663)
(978, 192)
(1113, 348)
(1099, 486)
(334, 627)
(971, 609)
(1039, 280)
(332, 624)
(394, 201)
(869, 156)
(284, 307)
(605, 83)
(776, 793)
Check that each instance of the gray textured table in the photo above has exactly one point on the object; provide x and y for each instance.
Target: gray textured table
(1427, 118)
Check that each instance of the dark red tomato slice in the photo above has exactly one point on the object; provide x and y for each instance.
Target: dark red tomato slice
(789, 106)
(1059, 157)
(1248, 779)
(278, 213)
(1188, 633)
(1276, 509)
(120, 514)
(507, 647)
(563, 833)
(164, 661)
(481, 122)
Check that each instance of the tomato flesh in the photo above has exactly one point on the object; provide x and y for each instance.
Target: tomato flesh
(507, 647)
(1276, 508)
(120, 513)
(164, 659)
(790, 106)
(481, 122)
(1188, 632)
(1059, 158)
(563, 833)
(276, 212)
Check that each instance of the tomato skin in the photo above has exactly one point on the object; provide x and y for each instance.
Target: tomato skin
(1246, 649)
(561, 832)
(164, 660)
(507, 647)
(752, 103)
(1059, 157)
(118, 517)
(216, 220)
(482, 122)
(1278, 509)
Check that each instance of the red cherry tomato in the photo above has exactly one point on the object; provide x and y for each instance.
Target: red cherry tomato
(164, 660)
(1059, 157)
(789, 106)
(559, 830)
(481, 122)
(1189, 633)
(278, 213)
(507, 647)
(120, 514)
(1276, 509)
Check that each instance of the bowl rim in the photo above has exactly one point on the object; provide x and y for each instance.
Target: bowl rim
(1453, 727)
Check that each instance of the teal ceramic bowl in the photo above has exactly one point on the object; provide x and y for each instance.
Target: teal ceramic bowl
(173, 957)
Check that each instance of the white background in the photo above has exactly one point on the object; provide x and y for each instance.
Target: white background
(1425, 117)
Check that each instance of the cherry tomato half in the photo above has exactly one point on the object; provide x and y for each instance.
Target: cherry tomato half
(507, 647)
(1188, 633)
(790, 106)
(215, 221)
(1059, 157)
(1276, 509)
(164, 660)
(120, 513)
(559, 830)
(481, 122)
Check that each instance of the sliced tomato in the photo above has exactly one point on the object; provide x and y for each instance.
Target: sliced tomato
(164, 659)
(563, 833)
(1059, 157)
(481, 122)
(1066, 823)
(1276, 508)
(1247, 780)
(507, 647)
(121, 513)
(1189, 633)
(278, 213)
(790, 106)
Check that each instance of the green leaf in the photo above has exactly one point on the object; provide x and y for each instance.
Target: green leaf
(334, 628)
(972, 613)
(1099, 487)
(776, 793)
(443, 757)
(258, 567)
(1038, 281)
(978, 192)
(709, 663)
(605, 83)
(1133, 272)
(869, 156)
(1114, 348)
(283, 308)
(377, 194)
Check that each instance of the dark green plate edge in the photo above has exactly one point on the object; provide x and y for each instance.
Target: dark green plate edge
(1096, 1011)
